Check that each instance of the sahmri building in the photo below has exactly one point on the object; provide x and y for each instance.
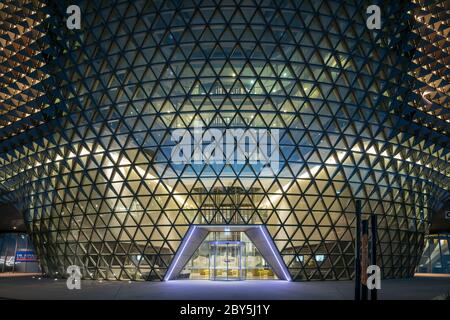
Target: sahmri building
(89, 119)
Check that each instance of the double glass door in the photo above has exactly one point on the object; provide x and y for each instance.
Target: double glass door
(226, 260)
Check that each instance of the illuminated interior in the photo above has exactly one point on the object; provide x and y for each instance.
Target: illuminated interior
(227, 256)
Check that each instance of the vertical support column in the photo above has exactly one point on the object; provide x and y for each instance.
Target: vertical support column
(373, 251)
(242, 266)
(364, 258)
(430, 252)
(228, 260)
(358, 251)
(2, 245)
(15, 253)
(215, 263)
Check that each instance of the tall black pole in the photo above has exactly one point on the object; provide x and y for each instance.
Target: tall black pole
(373, 249)
(358, 251)
(364, 258)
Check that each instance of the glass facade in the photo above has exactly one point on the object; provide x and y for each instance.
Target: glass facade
(17, 254)
(436, 255)
(430, 108)
(227, 256)
(99, 188)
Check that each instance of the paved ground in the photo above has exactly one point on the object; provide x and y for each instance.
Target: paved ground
(419, 288)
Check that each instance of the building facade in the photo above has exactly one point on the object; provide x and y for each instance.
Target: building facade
(17, 253)
(436, 255)
(87, 149)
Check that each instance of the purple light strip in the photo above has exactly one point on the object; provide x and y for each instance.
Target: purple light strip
(282, 266)
(169, 274)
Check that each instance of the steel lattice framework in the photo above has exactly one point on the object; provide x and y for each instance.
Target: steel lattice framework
(99, 190)
(432, 64)
(22, 72)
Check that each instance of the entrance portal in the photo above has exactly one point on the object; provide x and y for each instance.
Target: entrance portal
(226, 255)
(225, 260)
(227, 252)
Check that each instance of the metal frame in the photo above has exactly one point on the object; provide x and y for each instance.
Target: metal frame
(256, 233)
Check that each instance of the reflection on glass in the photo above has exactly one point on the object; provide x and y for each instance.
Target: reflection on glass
(436, 256)
(17, 254)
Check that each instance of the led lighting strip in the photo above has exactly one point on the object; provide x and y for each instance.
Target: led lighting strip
(281, 265)
(169, 273)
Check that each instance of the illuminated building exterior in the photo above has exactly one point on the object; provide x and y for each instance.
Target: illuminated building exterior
(436, 255)
(16, 250)
(86, 148)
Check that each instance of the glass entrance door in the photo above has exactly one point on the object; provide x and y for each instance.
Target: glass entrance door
(226, 260)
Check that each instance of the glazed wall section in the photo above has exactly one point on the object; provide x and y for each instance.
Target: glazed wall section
(104, 194)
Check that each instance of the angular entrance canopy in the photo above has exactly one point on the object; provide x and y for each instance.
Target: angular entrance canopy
(258, 234)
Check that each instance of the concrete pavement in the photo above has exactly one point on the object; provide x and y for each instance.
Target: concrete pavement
(419, 288)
